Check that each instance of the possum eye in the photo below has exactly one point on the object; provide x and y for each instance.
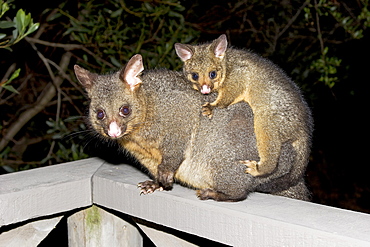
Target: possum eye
(194, 76)
(212, 74)
(100, 114)
(124, 111)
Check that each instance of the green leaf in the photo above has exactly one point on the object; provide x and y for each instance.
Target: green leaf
(45, 159)
(6, 24)
(3, 8)
(57, 136)
(19, 21)
(148, 6)
(50, 124)
(325, 51)
(14, 75)
(15, 36)
(33, 28)
(115, 62)
(10, 88)
(53, 17)
(27, 20)
(116, 13)
(72, 119)
(8, 169)
(175, 14)
(2, 35)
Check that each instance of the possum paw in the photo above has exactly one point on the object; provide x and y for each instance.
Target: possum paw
(149, 187)
(165, 179)
(206, 194)
(207, 110)
(252, 167)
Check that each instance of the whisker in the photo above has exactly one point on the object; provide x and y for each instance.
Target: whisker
(92, 138)
(75, 134)
(74, 118)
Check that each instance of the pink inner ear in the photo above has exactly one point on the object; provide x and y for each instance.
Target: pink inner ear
(221, 46)
(132, 81)
(84, 77)
(133, 69)
(220, 50)
(185, 55)
(183, 52)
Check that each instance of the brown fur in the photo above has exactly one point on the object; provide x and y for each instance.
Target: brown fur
(281, 115)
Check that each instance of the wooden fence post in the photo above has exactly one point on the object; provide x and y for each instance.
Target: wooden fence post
(96, 227)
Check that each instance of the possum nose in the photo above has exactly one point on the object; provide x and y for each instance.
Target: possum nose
(205, 89)
(114, 130)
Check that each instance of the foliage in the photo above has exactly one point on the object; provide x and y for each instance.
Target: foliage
(5, 84)
(67, 149)
(303, 37)
(23, 25)
(115, 31)
(327, 67)
(353, 26)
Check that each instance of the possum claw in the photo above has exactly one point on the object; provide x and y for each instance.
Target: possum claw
(252, 167)
(149, 187)
(207, 110)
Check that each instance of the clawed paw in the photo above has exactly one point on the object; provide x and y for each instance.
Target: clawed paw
(207, 110)
(165, 179)
(252, 167)
(149, 187)
(206, 194)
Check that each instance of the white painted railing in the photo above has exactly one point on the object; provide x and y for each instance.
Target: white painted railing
(39, 198)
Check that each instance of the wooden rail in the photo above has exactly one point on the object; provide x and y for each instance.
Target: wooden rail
(37, 199)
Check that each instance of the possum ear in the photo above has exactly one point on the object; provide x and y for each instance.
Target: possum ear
(130, 73)
(85, 77)
(185, 52)
(220, 46)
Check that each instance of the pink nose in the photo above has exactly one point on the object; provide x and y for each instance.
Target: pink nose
(114, 130)
(205, 89)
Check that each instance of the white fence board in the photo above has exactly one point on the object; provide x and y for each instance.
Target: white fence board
(46, 191)
(260, 220)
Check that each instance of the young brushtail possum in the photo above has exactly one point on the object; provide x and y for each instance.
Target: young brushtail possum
(155, 116)
(281, 115)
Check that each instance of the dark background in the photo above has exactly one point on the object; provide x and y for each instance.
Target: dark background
(112, 31)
